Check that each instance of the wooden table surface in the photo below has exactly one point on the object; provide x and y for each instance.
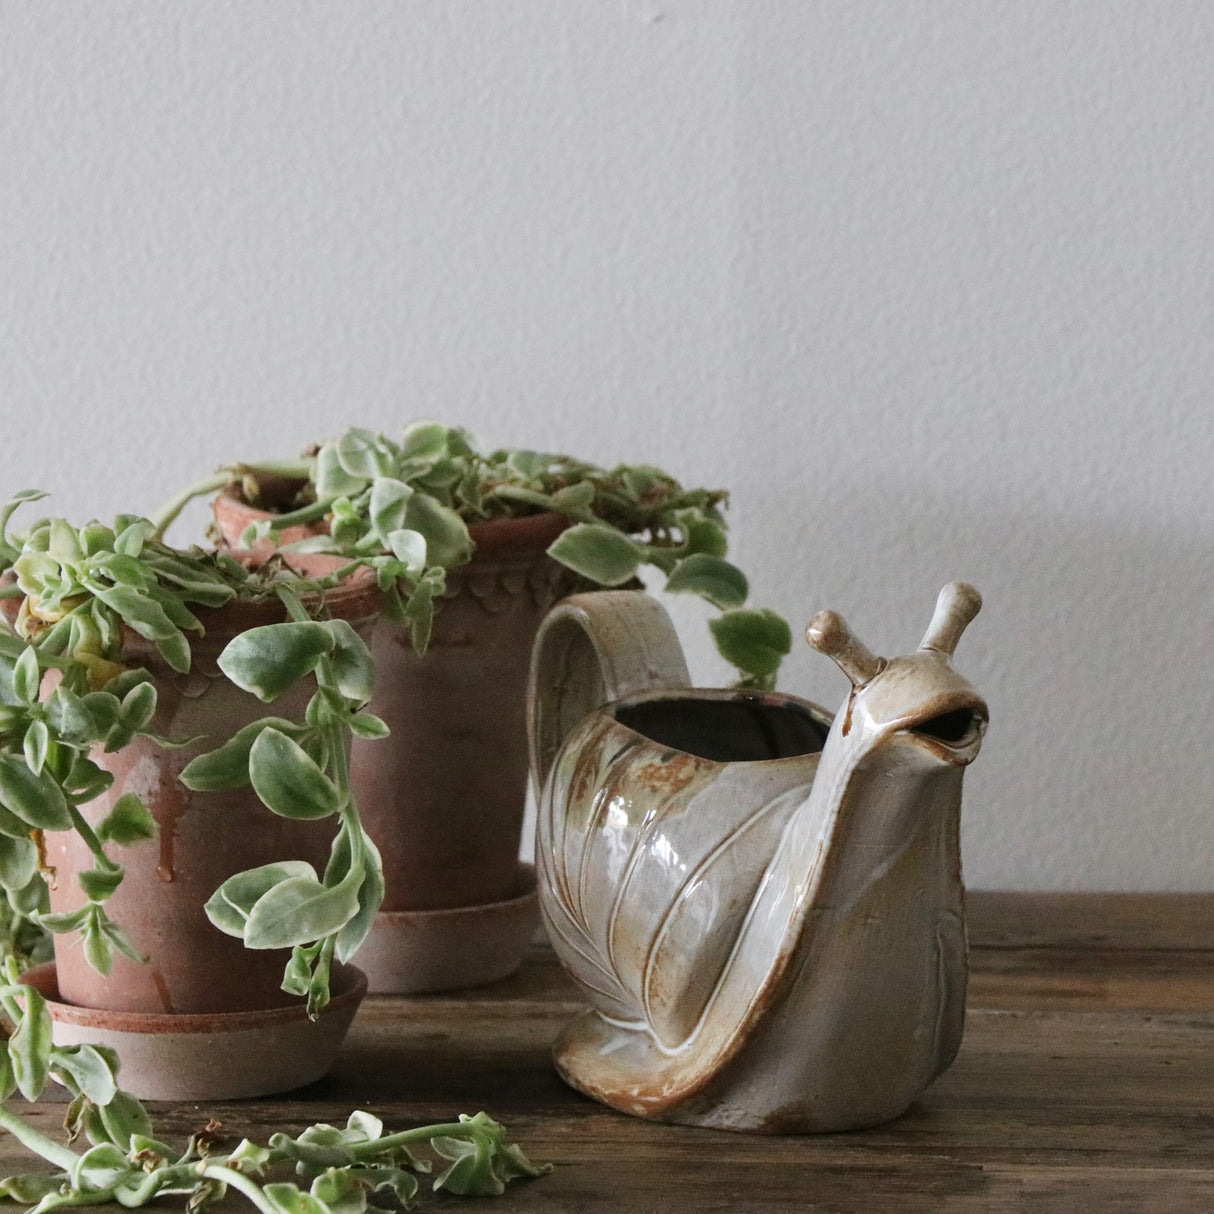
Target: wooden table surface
(1085, 1083)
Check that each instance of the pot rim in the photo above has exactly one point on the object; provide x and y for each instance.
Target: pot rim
(782, 701)
(357, 599)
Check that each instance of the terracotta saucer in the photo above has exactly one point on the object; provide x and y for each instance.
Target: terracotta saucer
(214, 1055)
(418, 952)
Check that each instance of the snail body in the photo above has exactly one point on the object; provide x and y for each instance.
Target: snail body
(762, 904)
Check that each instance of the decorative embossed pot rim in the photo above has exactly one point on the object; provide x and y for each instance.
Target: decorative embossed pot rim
(211, 1056)
(355, 598)
(525, 531)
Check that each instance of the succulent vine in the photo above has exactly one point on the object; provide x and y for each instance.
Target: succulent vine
(323, 1170)
(404, 507)
(68, 689)
(75, 590)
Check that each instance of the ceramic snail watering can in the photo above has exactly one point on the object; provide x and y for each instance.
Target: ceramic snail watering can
(763, 905)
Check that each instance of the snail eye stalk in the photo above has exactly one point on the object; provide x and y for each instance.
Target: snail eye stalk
(829, 633)
(956, 606)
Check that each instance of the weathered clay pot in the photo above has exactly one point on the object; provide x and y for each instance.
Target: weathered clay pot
(203, 839)
(444, 796)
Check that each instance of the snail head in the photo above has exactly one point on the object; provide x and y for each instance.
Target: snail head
(918, 696)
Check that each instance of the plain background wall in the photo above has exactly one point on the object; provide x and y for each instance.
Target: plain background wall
(926, 285)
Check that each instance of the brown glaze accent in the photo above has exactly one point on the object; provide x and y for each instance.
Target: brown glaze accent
(671, 774)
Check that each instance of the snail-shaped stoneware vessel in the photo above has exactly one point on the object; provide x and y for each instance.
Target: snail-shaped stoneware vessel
(763, 905)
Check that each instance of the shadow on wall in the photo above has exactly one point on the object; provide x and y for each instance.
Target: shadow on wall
(1094, 649)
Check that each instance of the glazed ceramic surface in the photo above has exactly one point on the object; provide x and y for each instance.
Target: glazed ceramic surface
(763, 904)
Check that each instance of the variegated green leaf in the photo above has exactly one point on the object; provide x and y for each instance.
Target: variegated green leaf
(288, 780)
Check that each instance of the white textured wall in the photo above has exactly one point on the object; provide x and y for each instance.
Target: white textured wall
(927, 285)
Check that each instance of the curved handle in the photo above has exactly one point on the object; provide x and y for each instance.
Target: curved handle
(592, 649)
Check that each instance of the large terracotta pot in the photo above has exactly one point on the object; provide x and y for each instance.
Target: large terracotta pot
(195, 974)
(444, 796)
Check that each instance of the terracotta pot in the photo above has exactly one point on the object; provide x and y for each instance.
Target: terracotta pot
(444, 796)
(203, 839)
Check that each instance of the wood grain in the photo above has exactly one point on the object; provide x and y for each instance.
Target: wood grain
(1084, 1083)
(1105, 921)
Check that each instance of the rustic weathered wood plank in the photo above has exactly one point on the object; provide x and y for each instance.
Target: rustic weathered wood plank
(1008, 919)
(1085, 1083)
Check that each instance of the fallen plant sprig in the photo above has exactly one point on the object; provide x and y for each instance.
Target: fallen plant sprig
(344, 1169)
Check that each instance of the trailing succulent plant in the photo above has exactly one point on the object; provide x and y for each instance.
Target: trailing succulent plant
(68, 691)
(77, 588)
(73, 592)
(346, 1169)
(404, 508)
